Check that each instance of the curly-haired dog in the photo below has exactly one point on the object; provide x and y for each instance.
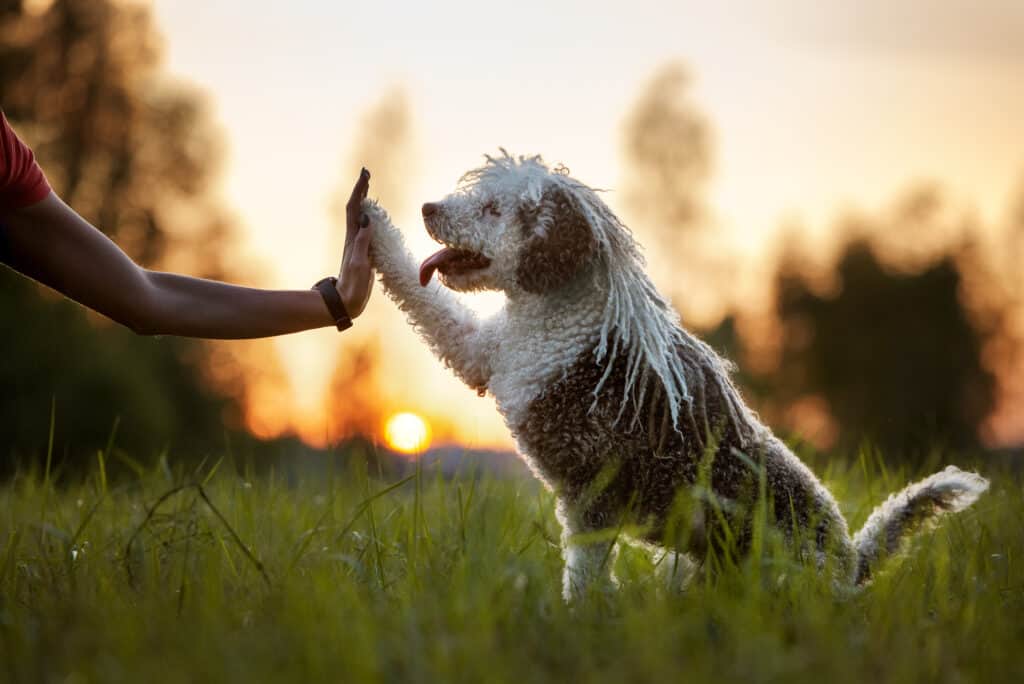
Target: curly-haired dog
(623, 413)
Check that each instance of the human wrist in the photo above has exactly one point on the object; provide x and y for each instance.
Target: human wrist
(334, 302)
(353, 302)
(346, 301)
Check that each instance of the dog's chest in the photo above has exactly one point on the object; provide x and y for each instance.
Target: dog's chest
(532, 357)
(569, 436)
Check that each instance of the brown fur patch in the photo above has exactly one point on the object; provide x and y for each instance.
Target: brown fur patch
(553, 260)
(707, 472)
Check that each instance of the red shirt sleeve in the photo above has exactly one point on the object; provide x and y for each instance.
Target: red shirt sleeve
(21, 180)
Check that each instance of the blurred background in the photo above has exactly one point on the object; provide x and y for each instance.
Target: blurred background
(831, 193)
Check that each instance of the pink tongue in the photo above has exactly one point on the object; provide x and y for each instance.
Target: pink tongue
(432, 262)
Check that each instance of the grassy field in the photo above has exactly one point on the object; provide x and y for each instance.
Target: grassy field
(336, 576)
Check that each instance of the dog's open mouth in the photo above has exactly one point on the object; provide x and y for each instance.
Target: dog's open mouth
(451, 261)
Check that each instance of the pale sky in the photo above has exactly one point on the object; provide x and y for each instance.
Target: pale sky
(815, 107)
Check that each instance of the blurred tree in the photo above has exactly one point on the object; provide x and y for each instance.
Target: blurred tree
(137, 156)
(134, 153)
(895, 356)
(354, 403)
(1007, 424)
(385, 147)
(1015, 243)
(668, 154)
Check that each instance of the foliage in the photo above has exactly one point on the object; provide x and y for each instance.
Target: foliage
(137, 155)
(899, 349)
(668, 151)
(221, 575)
(132, 151)
(897, 354)
(385, 146)
(668, 159)
(97, 383)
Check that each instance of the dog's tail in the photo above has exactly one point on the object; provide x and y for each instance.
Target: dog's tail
(911, 510)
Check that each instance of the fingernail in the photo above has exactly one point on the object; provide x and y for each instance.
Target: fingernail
(364, 173)
(364, 220)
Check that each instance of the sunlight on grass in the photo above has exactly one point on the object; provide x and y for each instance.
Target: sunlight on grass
(234, 576)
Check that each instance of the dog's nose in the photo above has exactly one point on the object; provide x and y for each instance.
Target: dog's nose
(429, 209)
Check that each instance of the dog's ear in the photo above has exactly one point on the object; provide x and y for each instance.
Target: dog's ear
(559, 242)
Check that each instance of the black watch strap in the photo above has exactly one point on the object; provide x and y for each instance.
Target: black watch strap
(328, 289)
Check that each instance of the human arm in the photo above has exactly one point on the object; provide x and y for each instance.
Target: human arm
(50, 242)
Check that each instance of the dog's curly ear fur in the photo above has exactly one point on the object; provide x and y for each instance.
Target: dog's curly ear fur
(557, 251)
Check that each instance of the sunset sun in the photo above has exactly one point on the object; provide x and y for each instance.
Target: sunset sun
(407, 432)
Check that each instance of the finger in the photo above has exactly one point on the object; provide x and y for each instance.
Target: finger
(352, 209)
(360, 189)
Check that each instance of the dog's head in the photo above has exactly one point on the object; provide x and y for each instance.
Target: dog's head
(516, 226)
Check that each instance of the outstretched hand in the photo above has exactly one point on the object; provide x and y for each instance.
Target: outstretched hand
(355, 281)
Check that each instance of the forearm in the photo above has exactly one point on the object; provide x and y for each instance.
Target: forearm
(192, 307)
(51, 243)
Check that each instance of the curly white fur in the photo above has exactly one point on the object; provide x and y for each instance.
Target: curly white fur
(635, 317)
(916, 507)
(595, 307)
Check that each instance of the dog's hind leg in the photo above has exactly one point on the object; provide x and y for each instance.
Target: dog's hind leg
(589, 555)
(676, 570)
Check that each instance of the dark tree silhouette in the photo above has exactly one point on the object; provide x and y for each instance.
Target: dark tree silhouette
(130, 150)
(136, 155)
(895, 355)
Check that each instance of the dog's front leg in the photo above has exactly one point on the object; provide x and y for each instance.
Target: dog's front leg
(449, 327)
(589, 555)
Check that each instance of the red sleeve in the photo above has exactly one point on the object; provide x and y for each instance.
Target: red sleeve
(21, 180)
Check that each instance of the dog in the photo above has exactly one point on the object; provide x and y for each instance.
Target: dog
(625, 415)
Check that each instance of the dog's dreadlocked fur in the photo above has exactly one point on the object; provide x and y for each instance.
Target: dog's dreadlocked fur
(618, 409)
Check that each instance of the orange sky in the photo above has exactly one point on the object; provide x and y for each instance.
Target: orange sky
(814, 108)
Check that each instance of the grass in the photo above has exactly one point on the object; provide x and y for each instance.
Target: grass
(336, 576)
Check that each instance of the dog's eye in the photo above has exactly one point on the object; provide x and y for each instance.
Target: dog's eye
(490, 208)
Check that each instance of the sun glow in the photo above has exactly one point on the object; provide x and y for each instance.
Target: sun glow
(407, 432)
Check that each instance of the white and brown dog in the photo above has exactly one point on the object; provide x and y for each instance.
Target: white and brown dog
(623, 413)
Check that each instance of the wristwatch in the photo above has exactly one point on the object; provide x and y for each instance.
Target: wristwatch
(328, 289)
